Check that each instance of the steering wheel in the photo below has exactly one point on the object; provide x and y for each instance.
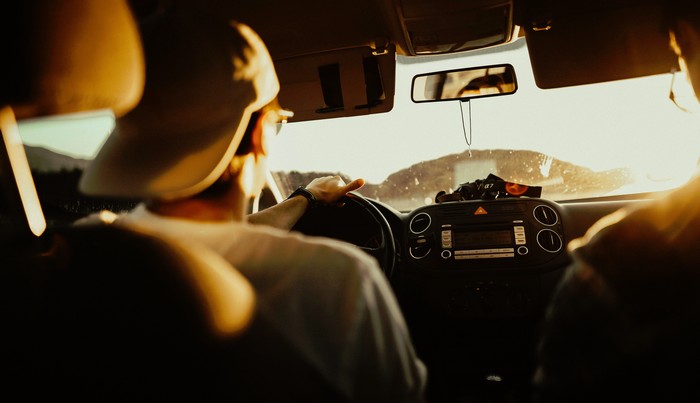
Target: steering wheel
(341, 223)
(385, 252)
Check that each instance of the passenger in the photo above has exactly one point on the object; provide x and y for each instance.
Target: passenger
(195, 149)
(624, 323)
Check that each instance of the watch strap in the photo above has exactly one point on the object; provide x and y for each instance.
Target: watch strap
(302, 191)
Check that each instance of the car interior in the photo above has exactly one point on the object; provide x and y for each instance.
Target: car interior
(104, 313)
(473, 256)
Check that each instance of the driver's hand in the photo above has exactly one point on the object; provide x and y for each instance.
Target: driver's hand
(331, 189)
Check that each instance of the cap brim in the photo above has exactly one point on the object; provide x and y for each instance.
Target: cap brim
(194, 111)
(133, 166)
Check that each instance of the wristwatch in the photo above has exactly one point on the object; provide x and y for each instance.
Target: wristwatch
(302, 191)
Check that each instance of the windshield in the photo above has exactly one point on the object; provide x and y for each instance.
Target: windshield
(606, 139)
(579, 142)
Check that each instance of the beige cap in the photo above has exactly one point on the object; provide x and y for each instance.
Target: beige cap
(204, 78)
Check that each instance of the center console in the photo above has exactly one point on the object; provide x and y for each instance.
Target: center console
(468, 235)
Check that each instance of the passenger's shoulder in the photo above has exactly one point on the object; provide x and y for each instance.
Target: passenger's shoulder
(656, 238)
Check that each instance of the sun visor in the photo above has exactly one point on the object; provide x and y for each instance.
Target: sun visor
(347, 82)
(574, 43)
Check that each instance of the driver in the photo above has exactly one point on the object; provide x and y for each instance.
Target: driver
(195, 150)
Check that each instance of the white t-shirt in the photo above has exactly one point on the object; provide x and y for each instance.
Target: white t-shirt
(329, 298)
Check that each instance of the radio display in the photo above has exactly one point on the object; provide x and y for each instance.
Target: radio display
(479, 239)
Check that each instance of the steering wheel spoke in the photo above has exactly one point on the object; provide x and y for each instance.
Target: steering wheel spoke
(329, 222)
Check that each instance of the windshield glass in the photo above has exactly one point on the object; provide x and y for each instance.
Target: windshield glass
(579, 142)
(614, 138)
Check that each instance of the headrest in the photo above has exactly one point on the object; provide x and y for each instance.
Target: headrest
(69, 56)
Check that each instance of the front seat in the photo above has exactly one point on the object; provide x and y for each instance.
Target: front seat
(97, 312)
(104, 313)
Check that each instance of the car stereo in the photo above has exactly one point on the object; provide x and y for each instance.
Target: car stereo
(485, 233)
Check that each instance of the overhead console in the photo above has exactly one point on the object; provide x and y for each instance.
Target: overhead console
(484, 234)
(448, 26)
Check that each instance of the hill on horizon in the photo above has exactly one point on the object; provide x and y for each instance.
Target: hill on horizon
(411, 186)
(559, 179)
(44, 160)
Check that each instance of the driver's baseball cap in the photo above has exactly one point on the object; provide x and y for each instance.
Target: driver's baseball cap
(204, 78)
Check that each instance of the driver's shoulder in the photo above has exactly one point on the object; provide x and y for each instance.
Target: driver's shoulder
(331, 251)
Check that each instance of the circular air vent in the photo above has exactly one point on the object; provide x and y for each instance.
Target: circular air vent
(419, 223)
(545, 215)
(419, 252)
(549, 240)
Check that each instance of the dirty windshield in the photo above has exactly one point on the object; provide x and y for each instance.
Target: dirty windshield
(606, 139)
(579, 142)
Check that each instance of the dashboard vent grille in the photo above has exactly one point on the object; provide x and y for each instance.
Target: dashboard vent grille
(419, 223)
(549, 240)
(545, 215)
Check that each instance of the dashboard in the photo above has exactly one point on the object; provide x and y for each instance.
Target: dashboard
(482, 259)
(473, 280)
(465, 235)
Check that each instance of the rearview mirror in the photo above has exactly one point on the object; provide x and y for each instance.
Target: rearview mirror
(464, 84)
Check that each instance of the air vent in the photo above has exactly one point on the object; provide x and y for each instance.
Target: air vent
(545, 215)
(419, 252)
(419, 223)
(549, 240)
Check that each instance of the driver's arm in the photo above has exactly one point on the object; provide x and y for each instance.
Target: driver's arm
(327, 190)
